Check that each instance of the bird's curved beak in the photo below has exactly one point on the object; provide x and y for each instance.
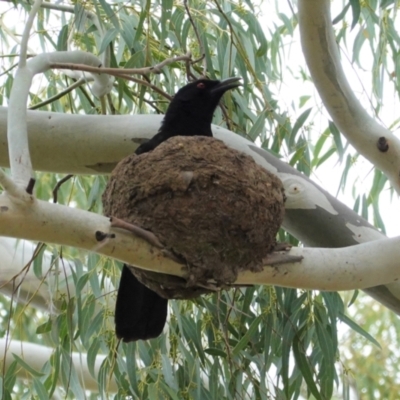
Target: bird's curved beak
(226, 84)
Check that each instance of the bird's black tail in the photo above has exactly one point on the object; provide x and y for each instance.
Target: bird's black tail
(140, 313)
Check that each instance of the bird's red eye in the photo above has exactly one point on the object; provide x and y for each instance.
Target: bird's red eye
(201, 85)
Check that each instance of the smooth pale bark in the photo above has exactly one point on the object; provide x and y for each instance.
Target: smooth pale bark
(58, 139)
(323, 59)
(324, 269)
(362, 131)
(36, 356)
(17, 131)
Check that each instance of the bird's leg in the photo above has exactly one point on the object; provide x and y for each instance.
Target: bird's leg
(150, 237)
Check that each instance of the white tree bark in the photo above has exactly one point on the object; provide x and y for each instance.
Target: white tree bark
(84, 144)
(17, 131)
(325, 269)
(36, 356)
(56, 219)
(323, 59)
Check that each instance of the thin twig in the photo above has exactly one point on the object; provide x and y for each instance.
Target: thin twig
(231, 305)
(13, 55)
(9, 69)
(201, 45)
(69, 326)
(150, 103)
(155, 69)
(8, 338)
(189, 74)
(58, 185)
(103, 105)
(111, 104)
(69, 89)
(86, 94)
(144, 83)
(224, 334)
(226, 116)
(118, 72)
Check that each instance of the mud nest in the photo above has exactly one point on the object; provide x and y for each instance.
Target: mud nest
(211, 206)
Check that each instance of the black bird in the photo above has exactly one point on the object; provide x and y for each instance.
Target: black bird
(141, 313)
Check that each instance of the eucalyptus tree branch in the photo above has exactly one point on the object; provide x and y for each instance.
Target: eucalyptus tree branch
(309, 209)
(9, 185)
(124, 73)
(21, 166)
(20, 161)
(55, 223)
(320, 49)
(36, 356)
(27, 31)
(155, 69)
(324, 269)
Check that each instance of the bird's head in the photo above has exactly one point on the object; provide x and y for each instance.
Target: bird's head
(197, 101)
(203, 91)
